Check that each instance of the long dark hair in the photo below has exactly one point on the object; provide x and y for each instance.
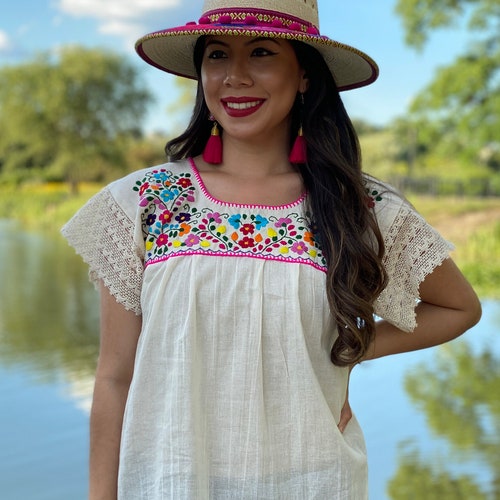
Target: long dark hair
(349, 236)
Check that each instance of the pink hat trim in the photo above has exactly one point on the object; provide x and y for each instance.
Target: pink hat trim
(256, 17)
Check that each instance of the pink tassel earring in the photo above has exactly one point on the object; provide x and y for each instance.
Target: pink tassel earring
(213, 150)
(299, 149)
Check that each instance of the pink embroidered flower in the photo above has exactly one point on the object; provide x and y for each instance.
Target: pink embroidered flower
(192, 240)
(283, 222)
(162, 240)
(299, 247)
(247, 228)
(166, 216)
(215, 217)
(247, 242)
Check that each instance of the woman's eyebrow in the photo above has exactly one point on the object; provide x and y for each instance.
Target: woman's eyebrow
(259, 39)
(263, 39)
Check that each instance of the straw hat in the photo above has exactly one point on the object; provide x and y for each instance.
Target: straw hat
(171, 49)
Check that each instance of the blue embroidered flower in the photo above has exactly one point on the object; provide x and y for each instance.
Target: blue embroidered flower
(169, 194)
(235, 221)
(260, 222)
(161, 176)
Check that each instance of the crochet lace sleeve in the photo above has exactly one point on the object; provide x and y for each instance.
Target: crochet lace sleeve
(103, 234)
(413, 250)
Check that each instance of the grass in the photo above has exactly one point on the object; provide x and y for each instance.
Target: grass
(43, 206)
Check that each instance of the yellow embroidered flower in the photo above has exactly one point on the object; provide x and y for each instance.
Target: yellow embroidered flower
(177, 243)
(221, 230)
(205, 244)
(284, 250)
(149, 245)
(271, 233)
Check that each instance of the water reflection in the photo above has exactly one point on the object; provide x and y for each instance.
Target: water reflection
(48, 313)
(459, 394)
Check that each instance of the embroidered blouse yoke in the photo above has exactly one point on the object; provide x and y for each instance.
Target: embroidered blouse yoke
(234, 395)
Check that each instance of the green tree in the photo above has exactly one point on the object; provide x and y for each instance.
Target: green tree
(68, 116)
(459, 110)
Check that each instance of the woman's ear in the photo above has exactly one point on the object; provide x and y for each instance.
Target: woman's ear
(304, 83)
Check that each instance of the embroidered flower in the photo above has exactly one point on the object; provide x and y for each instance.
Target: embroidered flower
(299, 247)
(150, 220)
(247, 242)
(183, 217)
(260, 222)
(309, 237)
(214, 217)
(235, 221)
(169, 194)
(162, 240)
(143, 188)
(192, 240)
(247, 229)
(166, 216)
(161, 176)
(185, 229)
(184, 182)
(283, 222)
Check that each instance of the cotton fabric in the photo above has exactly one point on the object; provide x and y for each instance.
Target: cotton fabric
(234, 395)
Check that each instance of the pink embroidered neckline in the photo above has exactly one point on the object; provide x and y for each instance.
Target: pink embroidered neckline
(207, 195)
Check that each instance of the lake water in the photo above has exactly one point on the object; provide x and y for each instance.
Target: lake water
(431, 418)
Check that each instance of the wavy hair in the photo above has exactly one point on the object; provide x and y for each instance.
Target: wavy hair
(343, 223)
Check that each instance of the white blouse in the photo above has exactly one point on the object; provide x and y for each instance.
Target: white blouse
(234, 395)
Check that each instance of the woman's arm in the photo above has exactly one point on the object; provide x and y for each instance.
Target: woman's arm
(448, 307)
(120, 330)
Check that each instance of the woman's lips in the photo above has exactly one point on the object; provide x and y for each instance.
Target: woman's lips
(241, 107)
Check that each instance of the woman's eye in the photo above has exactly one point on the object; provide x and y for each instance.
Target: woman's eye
(261, 52)
(216, 54)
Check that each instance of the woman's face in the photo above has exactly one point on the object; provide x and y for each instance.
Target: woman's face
(250, 85)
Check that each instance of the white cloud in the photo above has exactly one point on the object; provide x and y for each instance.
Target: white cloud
(127, 19)
(111, 10)
(5, 44)
(129, 30)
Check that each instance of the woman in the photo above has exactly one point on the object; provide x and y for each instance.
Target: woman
(225, 353)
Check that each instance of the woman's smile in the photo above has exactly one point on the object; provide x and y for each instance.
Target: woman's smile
(241, 106)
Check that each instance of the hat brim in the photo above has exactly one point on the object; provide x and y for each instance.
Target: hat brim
(171, 50)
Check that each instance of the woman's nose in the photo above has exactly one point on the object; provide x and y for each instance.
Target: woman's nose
(237, 74)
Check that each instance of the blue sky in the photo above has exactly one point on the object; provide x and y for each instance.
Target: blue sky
(28, 26)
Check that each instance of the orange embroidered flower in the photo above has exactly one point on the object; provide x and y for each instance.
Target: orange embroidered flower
(309, 238)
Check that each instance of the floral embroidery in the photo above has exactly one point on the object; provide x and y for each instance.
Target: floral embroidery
(373, 197)
(173, 224)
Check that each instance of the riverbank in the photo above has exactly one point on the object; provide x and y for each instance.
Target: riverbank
(472, 224)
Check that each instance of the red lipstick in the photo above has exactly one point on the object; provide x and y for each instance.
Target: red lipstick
(239, 107)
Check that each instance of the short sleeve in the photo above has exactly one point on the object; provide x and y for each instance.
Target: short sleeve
(413, 249)
(104, 233)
